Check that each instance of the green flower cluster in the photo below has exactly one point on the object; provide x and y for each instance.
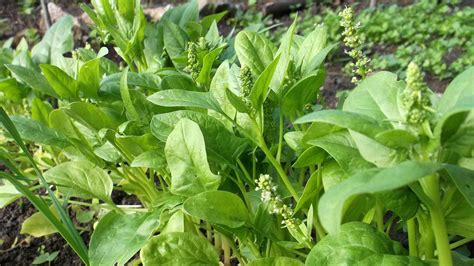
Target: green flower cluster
(193, 66)
(246, 80)
(270, 196)
(352, 40)
(415, 97)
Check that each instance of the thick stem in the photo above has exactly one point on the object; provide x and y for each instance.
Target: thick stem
(438, 222)
(279, 169)
(412, 244)
(280, 136)
(226, 248)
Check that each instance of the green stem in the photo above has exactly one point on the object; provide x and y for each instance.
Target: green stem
(280, 135)
(461, 242)
(279, 169)
(379, 215)
(226, 248)
(412, 244)
(437, 221)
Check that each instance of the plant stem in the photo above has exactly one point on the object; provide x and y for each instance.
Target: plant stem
(431, 187)
(461, 242)
(226, 248)
(379, 215)
(279, 169)
(280, 135)
(412, 244)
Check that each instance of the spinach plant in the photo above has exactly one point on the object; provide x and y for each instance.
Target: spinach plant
(225, 143)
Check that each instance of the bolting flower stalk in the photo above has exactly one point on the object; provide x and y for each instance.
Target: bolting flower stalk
(360, 67)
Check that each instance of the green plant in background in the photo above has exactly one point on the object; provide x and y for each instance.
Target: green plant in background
(228, 149)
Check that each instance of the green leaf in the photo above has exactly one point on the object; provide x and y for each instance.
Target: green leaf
(396, 138)
(309, 192)
(40, 111)
(32, 78)
(38, 225)
(178, 249)
(57, 41)
(186, 156)
(259, 91)
(8, 193)
(275, 261)
(132, 113)
(464, 180)
(313, 44)
(285, 52)
(12, 90)
(460, 88)
(378, 97)
(305, 91)
(311, 156)
(354, 121)
(183, 98)
(402, 202)
(89, 79)
(37, 132)
(82, 179)
(178, 82)
(391, 260)
(117, 237)
(369, 181)
(221, 144)
(64, 85)
(218, 207)
(91, 116)
(254, 50)
(154, 159)
(353, 243)
(207, 63)
(175, 41)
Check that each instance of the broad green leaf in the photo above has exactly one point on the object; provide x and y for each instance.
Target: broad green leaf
(89, 79)
(391, 260)
(207, 63)
(178, 82)
(464, 180)
(318, 59)
(82, 179)
(378, 97)
(254, 51)
(353, 243)
(64, 85)
(32, 78)
(40, 111)
(309, 192)
(178, 249)
(285, 57)
(276, 261)
(57, 41)
(117, 237)
(12, 90)
(183, 14)
(110, 85)
(342, 148)
(208, 20)
(305, 91)
(396, 138)
(311, 156)
(175, 41)
(221, 144)
(402, 202)
(311, 46)
(460, 88)
(460, 217)
(154, 159)
(186, 156)
(354, 121)
(259, 91)
(8, 193)
(218, 207)
(220, 84)
(91, 116)
(37, 132)
(369, 181)
(183, 98)
(38, 225)
(455, 130)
